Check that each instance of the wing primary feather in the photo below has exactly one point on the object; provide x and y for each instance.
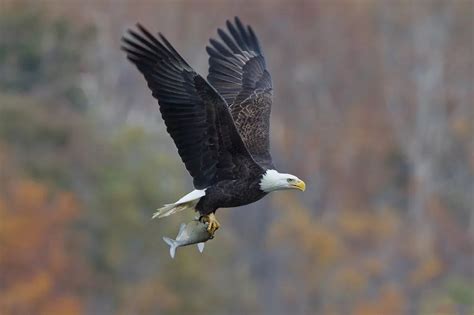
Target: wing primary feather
(148, 34)
(237, 37)
(254, 40)
(138, 47)
(220, 48)
(173, 51)
(138, 58)
(229, 42)
(242, 31)
(143, 40)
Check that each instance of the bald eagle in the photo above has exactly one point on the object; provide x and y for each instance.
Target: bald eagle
(220, 126)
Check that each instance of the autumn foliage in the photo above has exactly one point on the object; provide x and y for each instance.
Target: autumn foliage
(39, 267)
(372, 109)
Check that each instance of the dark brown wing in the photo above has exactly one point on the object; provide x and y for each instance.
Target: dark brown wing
(196, 116)
(237, 70)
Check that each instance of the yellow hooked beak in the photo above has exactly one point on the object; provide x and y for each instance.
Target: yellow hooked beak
(300, 185)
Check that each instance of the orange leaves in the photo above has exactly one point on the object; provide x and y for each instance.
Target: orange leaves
(427, 269)
(26, 196)
(66, 304)
(350, 120)
(26, 291)
(34, 258)
(461, 127)
(29, 215)
(389, 301)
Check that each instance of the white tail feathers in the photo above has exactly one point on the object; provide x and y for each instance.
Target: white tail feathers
(173, 245)
(171, 208)
(187, 202)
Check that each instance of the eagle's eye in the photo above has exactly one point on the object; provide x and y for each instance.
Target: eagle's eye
(290, 180)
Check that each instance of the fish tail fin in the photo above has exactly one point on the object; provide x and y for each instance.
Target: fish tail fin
(201, 246)
(172, 244)
(187, 202)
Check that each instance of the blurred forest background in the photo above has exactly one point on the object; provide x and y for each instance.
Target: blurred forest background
(373, 108)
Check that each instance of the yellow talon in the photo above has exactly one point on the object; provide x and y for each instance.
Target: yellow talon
(213, 224)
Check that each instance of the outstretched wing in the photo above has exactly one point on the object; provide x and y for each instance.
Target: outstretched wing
(196, 116)
(237, 70)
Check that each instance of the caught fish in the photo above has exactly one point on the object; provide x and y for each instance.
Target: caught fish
(195, 232)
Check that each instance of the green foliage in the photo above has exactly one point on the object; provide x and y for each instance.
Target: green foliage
(461, 292)
(41, 55)
(77, 188)
(39, 139)
(24, 124)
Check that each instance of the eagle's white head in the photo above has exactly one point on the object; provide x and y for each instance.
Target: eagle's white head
(272, 180)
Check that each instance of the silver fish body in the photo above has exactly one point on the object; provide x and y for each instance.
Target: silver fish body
(195, 232)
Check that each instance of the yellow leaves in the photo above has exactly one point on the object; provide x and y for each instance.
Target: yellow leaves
(321, 245)
(462, 127)
(350, 280)
(355, 225)
(373, 267)
(427, 269)
(326, 244)
(145, 296)
(390, 301)
(368, 226)
(350, 254)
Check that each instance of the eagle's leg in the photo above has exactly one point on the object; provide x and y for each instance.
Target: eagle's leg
(213, 223)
